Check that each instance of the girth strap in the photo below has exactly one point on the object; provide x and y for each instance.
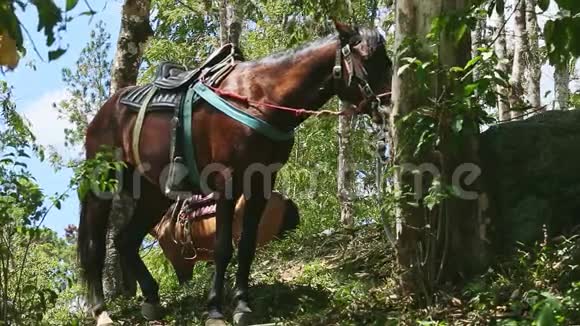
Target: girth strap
(138, 126)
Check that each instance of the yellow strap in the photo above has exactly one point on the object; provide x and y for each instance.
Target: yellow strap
(139, 125)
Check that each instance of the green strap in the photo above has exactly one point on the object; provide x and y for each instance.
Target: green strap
(259, 125)
(190, 98)
(202, 91)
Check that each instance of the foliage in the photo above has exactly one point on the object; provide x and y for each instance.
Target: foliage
(88, 85)
(465, 99)
(31, 275)
(51, 20)
(562, 34)
(97, 175)
(540, 287)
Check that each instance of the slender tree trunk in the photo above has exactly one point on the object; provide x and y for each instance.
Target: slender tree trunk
(477, 38)
(230, 15)
(345, 177)
(503, 64)
(428, 257)
(345, 174)
(534, 64)
(133, 35)
(562, 87)
(521, 50)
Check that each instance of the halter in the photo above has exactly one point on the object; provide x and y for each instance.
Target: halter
(356, 73)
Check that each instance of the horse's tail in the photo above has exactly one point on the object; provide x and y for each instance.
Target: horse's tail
(91, 243)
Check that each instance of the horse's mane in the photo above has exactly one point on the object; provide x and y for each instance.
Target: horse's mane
(372, 36)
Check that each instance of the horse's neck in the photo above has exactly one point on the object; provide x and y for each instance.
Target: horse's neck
(302, 81)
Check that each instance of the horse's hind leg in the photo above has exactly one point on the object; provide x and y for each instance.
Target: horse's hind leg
(145, 217)
(222, 256)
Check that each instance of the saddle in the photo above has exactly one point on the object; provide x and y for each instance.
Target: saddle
(172, 80)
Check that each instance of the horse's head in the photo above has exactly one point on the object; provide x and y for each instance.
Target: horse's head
(363, 70)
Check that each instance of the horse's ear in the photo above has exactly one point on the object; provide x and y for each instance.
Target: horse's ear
(345, 31)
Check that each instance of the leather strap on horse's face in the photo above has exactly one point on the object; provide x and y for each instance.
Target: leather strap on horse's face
(353, 71)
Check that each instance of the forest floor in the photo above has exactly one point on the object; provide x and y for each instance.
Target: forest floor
(351, 279)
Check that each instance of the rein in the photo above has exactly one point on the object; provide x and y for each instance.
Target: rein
(296, 111)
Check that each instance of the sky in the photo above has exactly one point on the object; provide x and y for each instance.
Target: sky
(35, 90)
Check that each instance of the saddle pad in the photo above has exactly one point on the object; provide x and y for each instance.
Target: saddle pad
(162, 100)
(197, 206)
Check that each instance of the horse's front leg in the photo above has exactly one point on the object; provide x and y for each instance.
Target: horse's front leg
(222, 256)
(256, 200)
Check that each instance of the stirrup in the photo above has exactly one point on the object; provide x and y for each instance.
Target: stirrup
(174, 186)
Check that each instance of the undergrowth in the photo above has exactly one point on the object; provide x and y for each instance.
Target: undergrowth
(351, 277)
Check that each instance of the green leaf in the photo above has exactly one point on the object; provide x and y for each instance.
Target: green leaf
(88, 13)
(500, 7)
(70, 4)
(49, 15)
(53, 55)
(544, 4)
(402, 69)
(546, 316)
(469, 89)
(457, 125)
(456, 69)
(472, 62)
(490, 8)
(460, 32)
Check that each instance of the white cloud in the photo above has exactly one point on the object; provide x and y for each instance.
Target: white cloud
(46, 126)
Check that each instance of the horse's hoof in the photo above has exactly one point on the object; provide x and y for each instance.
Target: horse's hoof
(242, 319)
(151, 311)
(215, 322)
(104, 319)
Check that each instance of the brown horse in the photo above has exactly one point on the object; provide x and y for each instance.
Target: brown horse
(184, 248)
(353, 65)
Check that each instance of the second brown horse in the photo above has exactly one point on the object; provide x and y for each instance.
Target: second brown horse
(183, 248)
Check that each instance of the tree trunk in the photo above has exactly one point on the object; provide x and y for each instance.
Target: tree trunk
(133, 35)
(427, 258)
(562, 87)
(345, 177)
(230, 16)
(500, 46)
(477, 39)
(534, 63)
(134, 32)
(521, 50)
(412, 19)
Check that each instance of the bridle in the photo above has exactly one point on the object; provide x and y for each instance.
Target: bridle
(357, 74)
(353, 73)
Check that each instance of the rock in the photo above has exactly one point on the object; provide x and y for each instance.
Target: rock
(531, 171)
